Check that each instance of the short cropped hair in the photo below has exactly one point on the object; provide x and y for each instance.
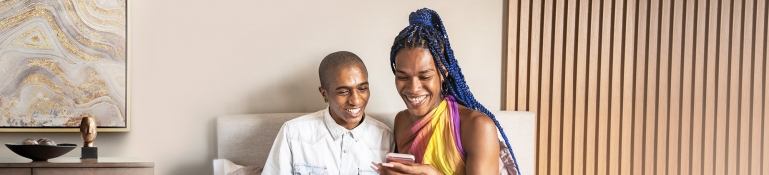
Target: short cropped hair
(336, 61)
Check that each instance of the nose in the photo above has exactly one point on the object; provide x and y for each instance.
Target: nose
(355, 99)
(413, 86)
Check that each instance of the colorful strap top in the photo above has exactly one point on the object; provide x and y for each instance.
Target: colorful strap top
(436, 139)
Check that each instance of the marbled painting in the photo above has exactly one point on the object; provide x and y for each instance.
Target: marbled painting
(61, 60)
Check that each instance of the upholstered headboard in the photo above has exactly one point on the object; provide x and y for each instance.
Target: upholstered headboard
(246, 139)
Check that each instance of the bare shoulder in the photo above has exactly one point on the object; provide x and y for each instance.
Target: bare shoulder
(474, 120)
(479, 139)
(476, 126)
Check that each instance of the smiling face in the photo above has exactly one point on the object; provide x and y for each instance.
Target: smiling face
(417, 80)
(347, 95)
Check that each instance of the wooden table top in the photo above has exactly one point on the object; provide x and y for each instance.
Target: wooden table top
(76, 162)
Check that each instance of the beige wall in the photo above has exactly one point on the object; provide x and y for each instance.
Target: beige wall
(194, 60)
(643, 87)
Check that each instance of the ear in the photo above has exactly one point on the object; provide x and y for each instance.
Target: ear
(323, 93)
(445, 72)
(444, 89)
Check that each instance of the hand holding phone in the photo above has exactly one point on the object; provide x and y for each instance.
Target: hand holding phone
(407, 159)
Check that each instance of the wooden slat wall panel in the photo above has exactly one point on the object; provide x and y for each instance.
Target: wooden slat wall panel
(642, 86)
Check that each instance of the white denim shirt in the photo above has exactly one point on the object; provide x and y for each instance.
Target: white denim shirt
(315, 144)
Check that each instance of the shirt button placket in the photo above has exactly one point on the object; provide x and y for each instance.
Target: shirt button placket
(345, 156)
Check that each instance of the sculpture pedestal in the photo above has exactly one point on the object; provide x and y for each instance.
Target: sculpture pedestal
(89, 153)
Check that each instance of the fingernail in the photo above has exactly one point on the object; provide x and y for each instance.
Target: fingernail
(388, 164)
(373, 167)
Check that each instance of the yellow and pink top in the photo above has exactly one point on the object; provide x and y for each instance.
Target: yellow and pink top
(436, 139)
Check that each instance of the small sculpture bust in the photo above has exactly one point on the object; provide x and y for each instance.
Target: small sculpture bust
(88, 130)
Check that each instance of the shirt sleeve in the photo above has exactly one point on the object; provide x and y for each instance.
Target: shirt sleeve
(279, 161)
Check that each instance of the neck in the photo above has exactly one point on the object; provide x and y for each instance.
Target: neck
(414, 118)
(347, 125)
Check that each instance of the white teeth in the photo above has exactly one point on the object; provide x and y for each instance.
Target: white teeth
(417, 99)
(354, 111)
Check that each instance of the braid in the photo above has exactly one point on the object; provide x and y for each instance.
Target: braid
(426, 30)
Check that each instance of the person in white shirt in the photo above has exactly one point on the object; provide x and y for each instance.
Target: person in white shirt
(340, 139)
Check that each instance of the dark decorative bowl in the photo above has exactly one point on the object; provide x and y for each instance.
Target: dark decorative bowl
(40, 152)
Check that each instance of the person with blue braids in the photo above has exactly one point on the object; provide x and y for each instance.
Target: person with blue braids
(444, 127)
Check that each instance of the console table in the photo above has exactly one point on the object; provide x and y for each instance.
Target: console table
(76, 166)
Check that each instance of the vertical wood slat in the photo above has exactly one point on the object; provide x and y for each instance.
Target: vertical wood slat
(652, 83)
(756, 86)
(710, 85)
(755, 125)
(626, 120)
(721, 59)
(568, 86)
(641, 86)
(580, 90)
(603, 86)
(591, 153)
(696, 150)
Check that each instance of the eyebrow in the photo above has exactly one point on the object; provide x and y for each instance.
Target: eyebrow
(420, 72)
(348, 87)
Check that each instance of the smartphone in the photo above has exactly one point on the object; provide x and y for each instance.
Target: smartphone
(400, 158)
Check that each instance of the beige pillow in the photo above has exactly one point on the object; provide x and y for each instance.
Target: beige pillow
(248, 170)
(227, 167)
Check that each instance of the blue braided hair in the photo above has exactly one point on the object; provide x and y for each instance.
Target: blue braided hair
(426, 31)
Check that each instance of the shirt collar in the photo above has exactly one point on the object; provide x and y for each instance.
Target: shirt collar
(337, 131)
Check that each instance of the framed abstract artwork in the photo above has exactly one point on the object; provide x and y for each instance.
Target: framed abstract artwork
(62, 60)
